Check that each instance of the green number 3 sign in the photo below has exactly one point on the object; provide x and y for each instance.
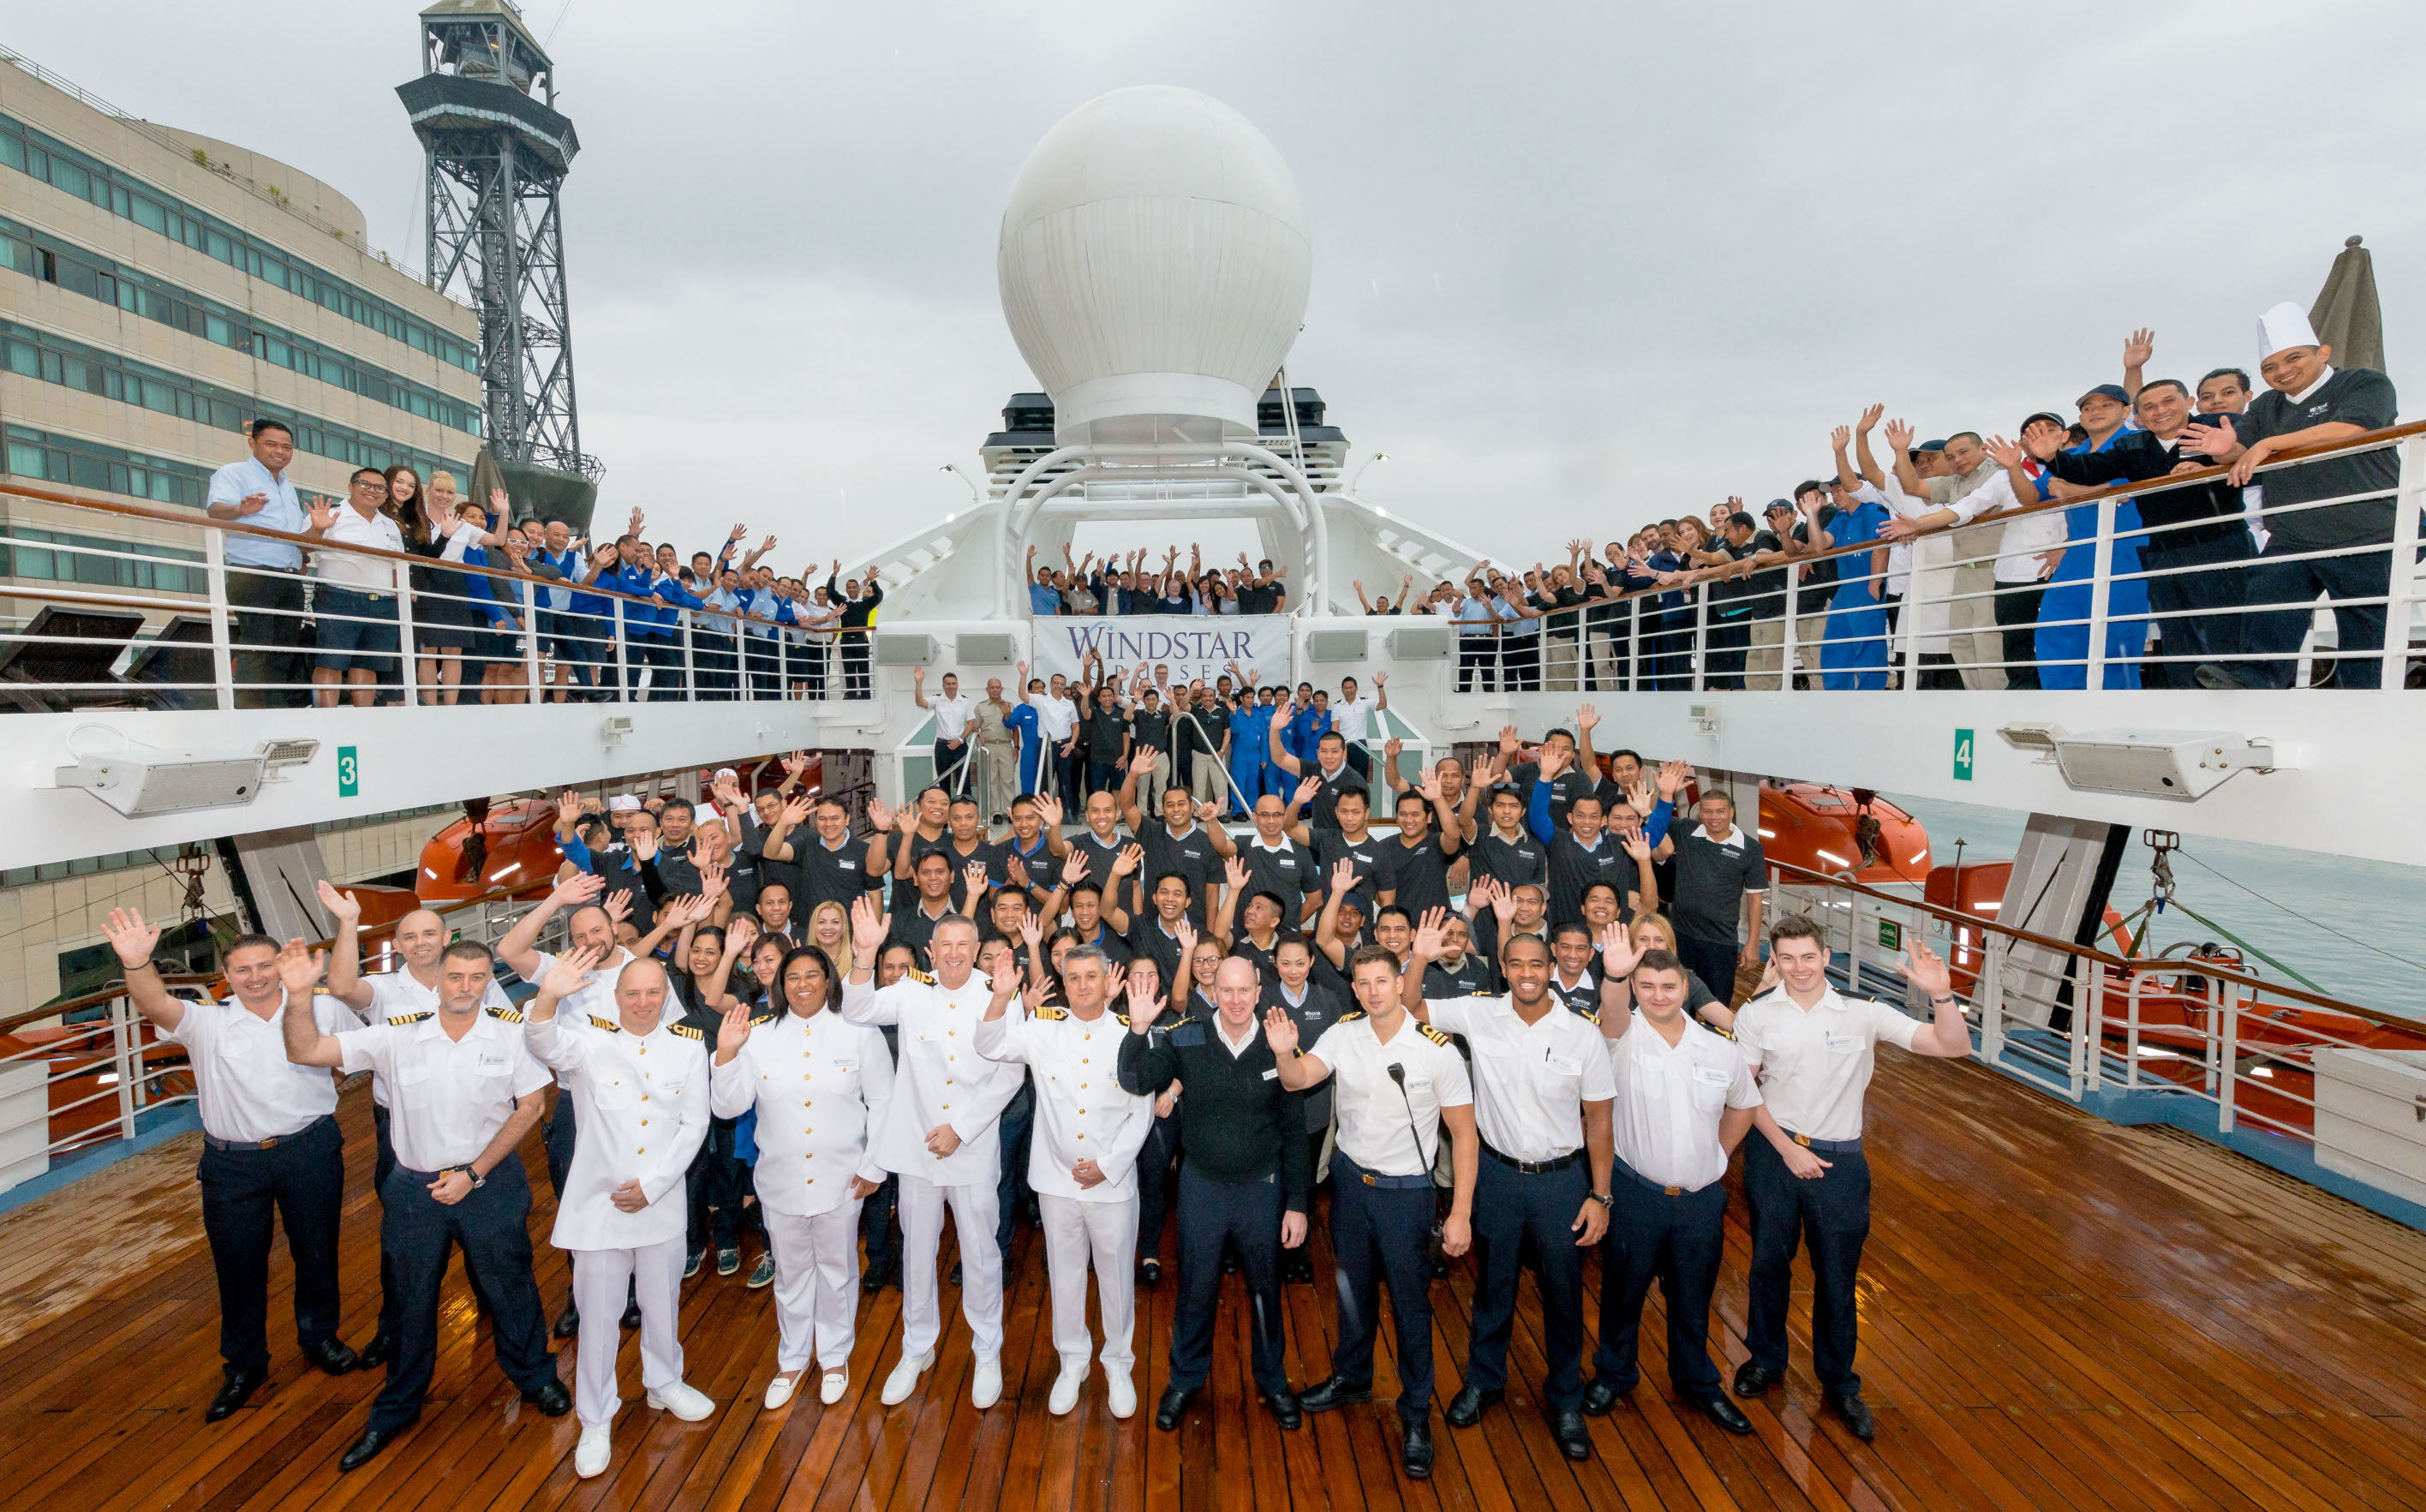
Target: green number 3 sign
(350, 773)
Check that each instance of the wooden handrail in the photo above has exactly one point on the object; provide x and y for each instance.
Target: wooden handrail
(2122, 963)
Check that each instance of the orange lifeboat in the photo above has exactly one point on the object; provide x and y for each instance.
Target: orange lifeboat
(1825, 829)
(509, 845)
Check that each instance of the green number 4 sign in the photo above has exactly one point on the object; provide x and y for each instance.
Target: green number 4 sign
(1962, 756)
(350, 773)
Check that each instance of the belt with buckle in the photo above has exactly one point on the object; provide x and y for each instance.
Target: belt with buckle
(1641, 1181)
(1825, 1147)
(1535, 1167)
(267, 1144)
(1393, 1183)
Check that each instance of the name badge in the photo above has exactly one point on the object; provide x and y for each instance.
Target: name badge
(1843, 1044)
(1287, 862)
(492, 1064)
(843, 1066)
(1563, 1065)
(1710, 1076)
(1419, 1083)
(845, 866)
(1272, 1075)
(1361, 857)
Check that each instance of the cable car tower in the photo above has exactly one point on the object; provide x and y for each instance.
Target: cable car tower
(499, 152)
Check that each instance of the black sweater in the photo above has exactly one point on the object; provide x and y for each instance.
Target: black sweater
(1234, 1112)
(2200, 514)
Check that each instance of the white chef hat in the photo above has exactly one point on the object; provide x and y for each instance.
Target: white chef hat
(726, 772)
(2281, 327)
(623, 804)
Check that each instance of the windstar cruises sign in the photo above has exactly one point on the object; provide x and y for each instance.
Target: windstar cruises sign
(1192, 648)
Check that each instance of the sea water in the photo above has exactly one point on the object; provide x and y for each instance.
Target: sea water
(2288, 904)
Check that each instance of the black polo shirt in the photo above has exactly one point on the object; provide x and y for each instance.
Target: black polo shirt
(1147, 939)
(1191, 854)
(1505, 863)
(1568, 786)
(1711, 880)
(1471, 975)
(1324, 808)
(1106, 730)
(911, 927)
(1366, 857)
(1573, 868)
(838, 876)
(910, 841)
(1151, 726)
(2352, 396)
(1204, 729)
(1290, 871)
(1099, 857)
(1321, 1008)
(1418, 873)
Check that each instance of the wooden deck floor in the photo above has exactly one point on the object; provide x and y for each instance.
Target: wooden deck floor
(2055, 1312)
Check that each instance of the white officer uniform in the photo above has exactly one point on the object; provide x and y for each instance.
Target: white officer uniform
(1374, 1115)
(246, 1089)
(942, 1079)
(820, 1086)
(1530, 1081)
(1814, 1066)
(1082, 1113)
(455, 1095)
(641, 1109)
(395, 993)
(1670, 1101)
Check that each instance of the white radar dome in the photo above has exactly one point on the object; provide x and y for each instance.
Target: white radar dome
(1154, 264)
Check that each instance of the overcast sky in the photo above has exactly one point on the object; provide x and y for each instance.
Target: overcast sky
(1575, 268)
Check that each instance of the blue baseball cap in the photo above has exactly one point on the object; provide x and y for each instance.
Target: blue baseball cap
(2112, 391)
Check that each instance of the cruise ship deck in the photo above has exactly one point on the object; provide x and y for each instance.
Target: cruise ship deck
(2056, 1311)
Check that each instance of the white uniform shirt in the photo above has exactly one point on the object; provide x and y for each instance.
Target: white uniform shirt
(820, 1086)
(396, 992)
(450, 1096)
(1531, 1080)
(1081, 1112)
(940, 1078)
(596, 999)
(1374, 1115)
(1814, 1066)
(1348, 720)
(1670, 1101)
(2026, 539)
(344, 569)
(1055, 717)
(952, 715)
(641, 1109)
(247, 1089)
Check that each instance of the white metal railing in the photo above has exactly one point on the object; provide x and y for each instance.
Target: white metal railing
(2243, 1048)
(104, 1068)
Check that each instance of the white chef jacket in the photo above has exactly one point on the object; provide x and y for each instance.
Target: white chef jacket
(641, 1105)
(940, 1078)
(1531, 1080)
(451, 1096)
(1081, 1112)
(245, 1086)
(820, 1086)
(1670, 1101)
(1378, 1123)
(1814, 1067)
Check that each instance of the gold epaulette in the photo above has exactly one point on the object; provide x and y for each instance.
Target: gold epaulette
(1349, 1017)
(1438, 1036)
(1723, 1034)
(401, 1019)
(1589, 1015)
(765, 1015)
(687, 1032)
(510, 1016)
(609, 1025)
(1122, 1017)
(1051, 1012)
(916, 975)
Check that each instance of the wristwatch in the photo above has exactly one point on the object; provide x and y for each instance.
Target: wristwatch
(1603, 1198)
(476, 1179)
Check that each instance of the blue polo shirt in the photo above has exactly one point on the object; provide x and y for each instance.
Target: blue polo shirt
(285, 511)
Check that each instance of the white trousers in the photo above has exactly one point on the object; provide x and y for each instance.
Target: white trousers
(599, 1278)
(1106, 1230)
(817, 1286)
(922, 1234)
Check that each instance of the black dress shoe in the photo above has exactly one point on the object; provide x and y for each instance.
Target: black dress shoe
(1753, 1378)
(1724, 1412)
(1299, 1268)
(1856, 1413)
(370, 1443)
(239, 1386)
(567, 1322)
(1330, 1391)
(376, 1353)
(1601, 1398)
(331, 1355)
(1229, 1263)
(1465, 1409)
(1416, 1452)
(1151, 1271)
(1288, 1410)
(551, 1399)
(631, 1316)
(1440, 1271)
(1172, 1408)
(1575, 1440)
(956, 1273)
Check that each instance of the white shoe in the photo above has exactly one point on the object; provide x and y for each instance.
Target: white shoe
(1121, 1393)
(904, 1379)
(836, 1381)
(780, 1390)
(1066, 1387)
(590, 1455)
(985, 1383)
(683, 1403)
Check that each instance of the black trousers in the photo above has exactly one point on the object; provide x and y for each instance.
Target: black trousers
(1158, 1178)
(493, 1224)
(717, 671)
(763, 659)
(267, 661)
(1713, 961)
(1510, 1208)
(558, 1130)
(854, 665)
(1730, 647)
(301, 1182)
(953, 772)
(1477, 653)
(1010, 1189)
(1832, 1211)
(1522, 657)
(878, 1233)
(2017, 617)
(1381, 1234)
(715, 1183)
(2184, 605)
(1676, 1239)
(1247, 1215)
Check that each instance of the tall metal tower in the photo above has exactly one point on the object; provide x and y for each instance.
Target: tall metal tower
(499, 152)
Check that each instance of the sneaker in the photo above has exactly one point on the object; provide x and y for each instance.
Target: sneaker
(985, 1383)
(1065, 1391)
(590, 1455)
(683, 1403)
(690, 1262)
(763, 1274)
(728, 1262)
(1120, 1394)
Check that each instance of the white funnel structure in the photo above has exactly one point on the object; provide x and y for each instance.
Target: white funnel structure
(1153, 263)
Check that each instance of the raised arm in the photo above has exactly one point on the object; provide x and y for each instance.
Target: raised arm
(298, 972)
(346, 982)
(135, 940)
(519, 949)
